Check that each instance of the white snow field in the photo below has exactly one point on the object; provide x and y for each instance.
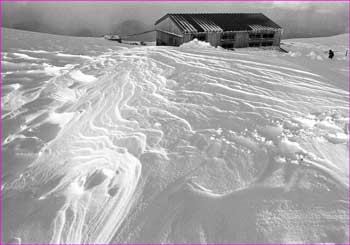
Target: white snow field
(109, 143)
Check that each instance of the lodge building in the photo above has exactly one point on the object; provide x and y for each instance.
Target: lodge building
(228, 30)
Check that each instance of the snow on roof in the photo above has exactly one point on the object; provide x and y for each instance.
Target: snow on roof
(218, 22)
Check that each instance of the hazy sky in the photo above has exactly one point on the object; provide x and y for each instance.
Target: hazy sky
(96, 18)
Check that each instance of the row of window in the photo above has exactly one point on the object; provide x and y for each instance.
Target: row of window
(203, 36)
(231, 36)
(228, 36)
(258, 35)
(262, 44)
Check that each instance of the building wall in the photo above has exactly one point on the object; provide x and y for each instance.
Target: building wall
(169, 34)
(187, 37)
(211, 37)
(169, 26)
(266, 41)
(277, 38)
(214, 38)
(165, 38)
(241, 40)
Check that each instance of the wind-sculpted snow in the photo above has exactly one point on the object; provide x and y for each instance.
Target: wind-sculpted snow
(110, 144)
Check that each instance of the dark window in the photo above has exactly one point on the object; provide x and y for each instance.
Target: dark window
(228, 35)
(227, 45)
(160, 42)
(268, 35)
(266, 44)
(254, 44)
(254, 36)
(200, 37)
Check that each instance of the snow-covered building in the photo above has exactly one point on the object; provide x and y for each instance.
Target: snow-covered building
(228, 30)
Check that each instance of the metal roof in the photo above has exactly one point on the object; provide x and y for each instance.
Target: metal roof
(218, 22)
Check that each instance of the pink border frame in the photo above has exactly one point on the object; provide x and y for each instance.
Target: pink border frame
(175, 1)
(315, 1)
(348, 1)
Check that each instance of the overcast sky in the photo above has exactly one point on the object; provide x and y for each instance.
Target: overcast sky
(299, 19)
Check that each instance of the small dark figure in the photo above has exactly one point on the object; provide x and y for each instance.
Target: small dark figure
(330, 54)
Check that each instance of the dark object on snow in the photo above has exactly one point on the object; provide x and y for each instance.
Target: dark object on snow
(330, 54)
(113, 38)
(283, 50)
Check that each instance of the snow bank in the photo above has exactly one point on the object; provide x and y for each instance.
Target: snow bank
(196, 44)
(160, 145)
(313, 55)
(81, 77)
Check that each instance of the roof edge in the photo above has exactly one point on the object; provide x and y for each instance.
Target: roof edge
(247, 13)
(161, 19)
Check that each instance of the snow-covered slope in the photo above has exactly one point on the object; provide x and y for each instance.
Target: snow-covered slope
(105, 143)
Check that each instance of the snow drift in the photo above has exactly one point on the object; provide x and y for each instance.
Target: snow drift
(110, 144)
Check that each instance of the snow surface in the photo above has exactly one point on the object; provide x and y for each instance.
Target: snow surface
(109, 143)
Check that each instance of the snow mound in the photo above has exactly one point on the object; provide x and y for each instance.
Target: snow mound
(81, 77)
(313, 55)
(196, 44)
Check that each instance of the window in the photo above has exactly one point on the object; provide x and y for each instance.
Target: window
(227, 45)
(160, 42)
(266, 44)
(258, 36)
(271, 35)
(228, 36)
(254, 44)
(254, 36)
(200, 36)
